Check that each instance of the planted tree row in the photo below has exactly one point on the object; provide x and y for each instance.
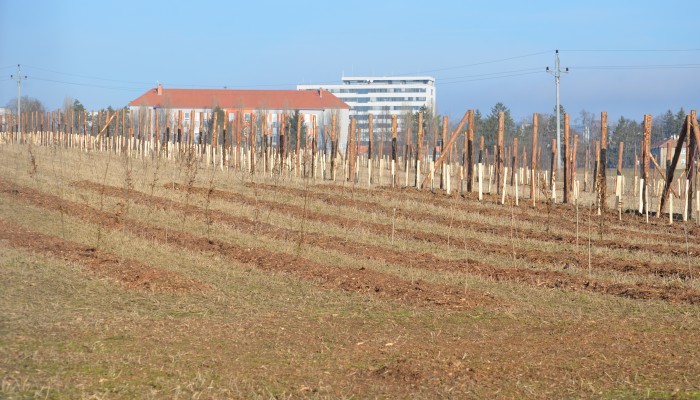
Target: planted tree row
(295, 150)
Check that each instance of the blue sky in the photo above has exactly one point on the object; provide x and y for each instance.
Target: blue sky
(640, 57)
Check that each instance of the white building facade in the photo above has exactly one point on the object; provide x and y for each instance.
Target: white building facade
(382, 96)
(274, 106)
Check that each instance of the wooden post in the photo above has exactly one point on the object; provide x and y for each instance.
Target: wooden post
(696, 134)
(533, 166)
(350, 150)
(646, 147)
(553, 172)
(297, 162)
(393, 150)
(692, 152)
(178, 138)
(266, 141)
(85, 131)
(586, 164)
(480, 169)
(357, 154)
(567, 159)
(442, 149)
(131, 135)
(214, 134)
(407, 148)
(516, 172)
(280, 141)
(370, 148)
(99, 126)
(498, 154)
(514, 162)
(224, 143)
(314, 145)
(419, 149)
(619, 179)
(117, 136)
(445, 151)
(253, 145)
(468, 163)
(602, 164)
(238, 116)
(573, 162)
(334, 145)
(621, 147)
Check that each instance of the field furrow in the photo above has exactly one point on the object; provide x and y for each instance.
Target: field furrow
(361, 280)
(422, 260)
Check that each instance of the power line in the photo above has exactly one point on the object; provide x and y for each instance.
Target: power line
(477, 77)
(439, 83)
(632, 50)
(88, 77)
(641, 66)
(475, 64)
(87, 84)
(493, 73)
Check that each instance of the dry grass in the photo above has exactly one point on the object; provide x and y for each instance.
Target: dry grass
(65, 333)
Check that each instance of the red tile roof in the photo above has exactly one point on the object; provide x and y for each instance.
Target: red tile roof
(662, 144)
(240, 99)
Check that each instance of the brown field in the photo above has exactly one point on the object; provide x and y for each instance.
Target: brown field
(131, 278)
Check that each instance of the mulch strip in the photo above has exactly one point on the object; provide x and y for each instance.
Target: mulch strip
(360, 279)
(427, 261)
(133, 274)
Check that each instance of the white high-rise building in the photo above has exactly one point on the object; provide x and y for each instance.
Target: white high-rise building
(382, 96)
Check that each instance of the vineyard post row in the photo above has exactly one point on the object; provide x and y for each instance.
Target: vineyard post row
(233, 145)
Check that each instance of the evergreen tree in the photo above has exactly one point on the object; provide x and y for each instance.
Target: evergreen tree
(490, 125)
(293, 131)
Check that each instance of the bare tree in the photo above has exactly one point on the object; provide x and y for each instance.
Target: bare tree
(27, 104)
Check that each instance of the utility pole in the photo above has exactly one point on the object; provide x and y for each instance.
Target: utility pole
(557, 74)
(19, 78)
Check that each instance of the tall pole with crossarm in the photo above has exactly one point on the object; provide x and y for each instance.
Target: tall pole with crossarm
(557, 74)
(19, 79)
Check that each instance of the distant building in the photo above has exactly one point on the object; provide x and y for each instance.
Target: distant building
(659, 151)
(382, 96)
(5, 118)
(272, 103)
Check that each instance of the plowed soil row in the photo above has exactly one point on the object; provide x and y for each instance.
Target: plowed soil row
(133, 274)
(377, 284)
(426, 261)
(559, 217)
(558, 258)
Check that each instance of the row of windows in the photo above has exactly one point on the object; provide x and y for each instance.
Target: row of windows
(386, 108)
(376, 118)
(380, 90)
(380, 99)
(399, 99)
(386, 82)
(206, 119)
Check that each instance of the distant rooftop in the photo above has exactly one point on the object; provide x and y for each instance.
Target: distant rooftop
(388, 80)
(239, 99)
